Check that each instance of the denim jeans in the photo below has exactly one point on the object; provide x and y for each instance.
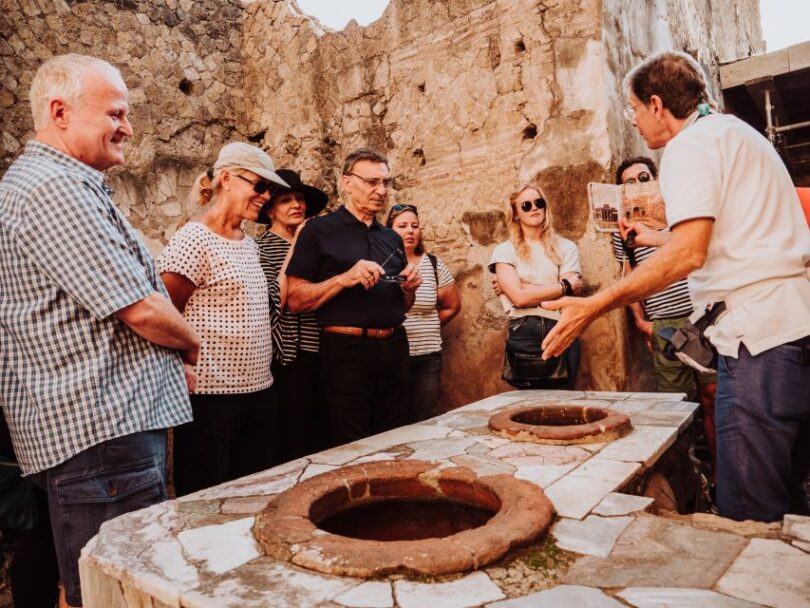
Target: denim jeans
(763, 433)
(112, 478)
(426, 373)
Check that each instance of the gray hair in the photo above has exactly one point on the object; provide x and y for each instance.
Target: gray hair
(62, 77)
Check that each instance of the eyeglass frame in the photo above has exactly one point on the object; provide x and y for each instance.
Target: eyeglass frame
(260, 186)
(375, 182)
(634, 180)
(538, 203)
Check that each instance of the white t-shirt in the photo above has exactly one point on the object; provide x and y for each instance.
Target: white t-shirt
(229, 308)
(422, 320)
(538, 270)
(721, 168)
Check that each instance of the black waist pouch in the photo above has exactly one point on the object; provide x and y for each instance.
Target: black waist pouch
(523, 364)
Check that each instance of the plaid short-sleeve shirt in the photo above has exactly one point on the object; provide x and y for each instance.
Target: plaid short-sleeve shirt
(71, 374)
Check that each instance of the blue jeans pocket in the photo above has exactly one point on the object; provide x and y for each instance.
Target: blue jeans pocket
(111, 487)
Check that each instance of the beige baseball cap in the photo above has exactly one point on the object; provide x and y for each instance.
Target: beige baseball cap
(242, 155)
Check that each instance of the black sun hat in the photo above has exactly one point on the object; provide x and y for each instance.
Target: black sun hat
(315, 198)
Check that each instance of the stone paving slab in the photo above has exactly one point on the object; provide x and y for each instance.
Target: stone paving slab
(770, 572)
(221, 547)
(674, 597)
(680, 420)
(593, 535)
(583, 488)
(622, 504)
(797, 526)
(654, 551)
(263, 583)
(373, 594)
(645, 445)
(564, 596)
(472, 590)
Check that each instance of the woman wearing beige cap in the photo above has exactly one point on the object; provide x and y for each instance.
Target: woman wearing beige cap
(212, 271)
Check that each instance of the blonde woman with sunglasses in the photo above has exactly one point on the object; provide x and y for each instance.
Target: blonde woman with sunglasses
(534, 266)
(212, 272)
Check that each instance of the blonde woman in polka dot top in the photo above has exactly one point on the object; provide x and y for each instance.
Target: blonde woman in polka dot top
(212, 272)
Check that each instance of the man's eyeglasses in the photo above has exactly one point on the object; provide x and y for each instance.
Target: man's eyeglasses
(259, 187)
(539, 203)
(375, 182)
(642, 177)
(394, 278)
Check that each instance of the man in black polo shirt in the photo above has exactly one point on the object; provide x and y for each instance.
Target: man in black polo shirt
(352, 271)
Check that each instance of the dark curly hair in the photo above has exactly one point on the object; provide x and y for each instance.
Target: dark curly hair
(629, 162)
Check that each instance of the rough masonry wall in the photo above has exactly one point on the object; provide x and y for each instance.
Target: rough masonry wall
(469, 99)
(181, 60)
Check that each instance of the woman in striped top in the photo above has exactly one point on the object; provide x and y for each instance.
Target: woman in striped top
(437, 302)
(303, 426)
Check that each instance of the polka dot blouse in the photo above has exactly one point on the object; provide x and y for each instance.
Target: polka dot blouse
(229, 308)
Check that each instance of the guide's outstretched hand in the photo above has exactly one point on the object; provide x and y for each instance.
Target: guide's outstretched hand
(577, 314)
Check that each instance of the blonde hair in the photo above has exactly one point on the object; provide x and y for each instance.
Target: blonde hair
(62, 77)
(208, 185)
(549, 237)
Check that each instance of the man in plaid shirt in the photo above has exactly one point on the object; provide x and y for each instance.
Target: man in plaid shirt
(91, 349)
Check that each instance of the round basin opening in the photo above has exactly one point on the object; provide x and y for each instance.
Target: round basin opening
(401, 517)
(555, 417)
(404, 519)
(561, 424)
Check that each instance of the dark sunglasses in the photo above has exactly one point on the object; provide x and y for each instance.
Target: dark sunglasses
(402, 208)
(526, 206)
(642, 177)
(259, 187)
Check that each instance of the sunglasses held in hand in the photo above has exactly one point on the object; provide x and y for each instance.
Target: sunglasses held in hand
(393, 278)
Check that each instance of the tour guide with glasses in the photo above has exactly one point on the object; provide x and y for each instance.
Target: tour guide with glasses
(341, 267)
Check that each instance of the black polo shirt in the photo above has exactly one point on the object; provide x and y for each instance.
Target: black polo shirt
(330, 245)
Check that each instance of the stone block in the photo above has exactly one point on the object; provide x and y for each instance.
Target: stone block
(564, 596)
(674, 597)
(472, 590)
(593, 535)
(654, 552)
(770, 572)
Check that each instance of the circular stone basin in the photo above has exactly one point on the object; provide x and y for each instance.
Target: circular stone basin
(562, 424)
(406, 517)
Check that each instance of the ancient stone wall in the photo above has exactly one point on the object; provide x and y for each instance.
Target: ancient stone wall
(469, 98)
(181, 60)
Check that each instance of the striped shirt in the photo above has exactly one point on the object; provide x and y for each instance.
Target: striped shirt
(670, 303)
(291, 332)
(422, 320)
(71, 374)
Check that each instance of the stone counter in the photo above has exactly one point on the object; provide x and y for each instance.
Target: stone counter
(604, 550)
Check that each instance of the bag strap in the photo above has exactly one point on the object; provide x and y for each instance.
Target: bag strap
(435, 263)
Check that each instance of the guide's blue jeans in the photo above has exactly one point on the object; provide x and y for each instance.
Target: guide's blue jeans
(763, 433)
(102, 482)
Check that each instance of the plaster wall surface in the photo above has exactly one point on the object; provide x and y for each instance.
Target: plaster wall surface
(469, 99)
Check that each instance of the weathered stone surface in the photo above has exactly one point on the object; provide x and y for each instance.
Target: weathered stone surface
(797, 526)
(583, 488)
(622, 504)
(593, 535)
(472, 590)
(564, 596)
(673, 597)
(656, 552)
(370, 594)
(770, 572)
